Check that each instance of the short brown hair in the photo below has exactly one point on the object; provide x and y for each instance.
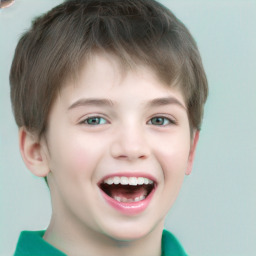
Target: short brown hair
(136, 31)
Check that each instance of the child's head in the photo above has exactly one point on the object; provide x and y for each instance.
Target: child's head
(135, 32)
(109, 92)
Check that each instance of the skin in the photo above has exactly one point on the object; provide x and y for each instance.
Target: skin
(75, 156)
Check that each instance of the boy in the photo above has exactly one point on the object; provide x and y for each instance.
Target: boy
(108, 96)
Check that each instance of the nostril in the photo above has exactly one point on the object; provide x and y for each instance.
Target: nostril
(130, 146)
(129, 152)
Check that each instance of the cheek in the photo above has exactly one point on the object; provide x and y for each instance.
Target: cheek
(74, 158)
(80, 155)
(173, 156)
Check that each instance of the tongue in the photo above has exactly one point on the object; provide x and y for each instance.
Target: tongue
(129, 192)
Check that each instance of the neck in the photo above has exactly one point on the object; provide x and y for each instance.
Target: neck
(76, 240)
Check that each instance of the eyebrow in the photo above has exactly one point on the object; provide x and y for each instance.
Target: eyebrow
(92, 102)
(101, 102)
(165, 101)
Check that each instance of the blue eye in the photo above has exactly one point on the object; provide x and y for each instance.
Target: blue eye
(95, 120)
(160, 121)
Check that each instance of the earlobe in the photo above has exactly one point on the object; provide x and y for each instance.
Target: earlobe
(32, 153)
(192, 152)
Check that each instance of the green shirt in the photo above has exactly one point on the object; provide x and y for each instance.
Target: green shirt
(31, 243)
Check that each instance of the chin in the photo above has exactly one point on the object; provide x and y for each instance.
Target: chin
(129, 232)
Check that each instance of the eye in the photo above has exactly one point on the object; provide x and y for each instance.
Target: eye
(161, 121)
(94, 120)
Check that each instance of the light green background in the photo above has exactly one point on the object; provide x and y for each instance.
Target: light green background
(215, 214)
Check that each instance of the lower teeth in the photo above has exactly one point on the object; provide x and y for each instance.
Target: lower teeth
(129, 200)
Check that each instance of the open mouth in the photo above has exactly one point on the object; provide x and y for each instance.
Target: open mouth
(127, 189)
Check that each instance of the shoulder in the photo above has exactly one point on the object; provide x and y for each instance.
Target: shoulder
(171, 246)
(32, 243)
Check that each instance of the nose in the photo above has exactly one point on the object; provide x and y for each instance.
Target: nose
(130, 144)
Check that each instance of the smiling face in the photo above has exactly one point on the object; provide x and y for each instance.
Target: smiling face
(117, 148)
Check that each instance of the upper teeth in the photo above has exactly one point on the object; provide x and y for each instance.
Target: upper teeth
(133, 181)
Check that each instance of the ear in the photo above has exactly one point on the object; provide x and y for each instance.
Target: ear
(192, 152)
(32, 153)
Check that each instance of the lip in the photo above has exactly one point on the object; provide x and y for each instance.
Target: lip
(137, 175)
(129, 208)
(132, 208)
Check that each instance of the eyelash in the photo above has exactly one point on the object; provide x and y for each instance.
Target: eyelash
(85, 121)
(166, 121)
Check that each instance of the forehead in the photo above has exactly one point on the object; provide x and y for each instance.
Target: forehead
(104, 75)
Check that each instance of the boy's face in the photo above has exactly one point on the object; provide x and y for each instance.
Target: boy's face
(113, 124)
